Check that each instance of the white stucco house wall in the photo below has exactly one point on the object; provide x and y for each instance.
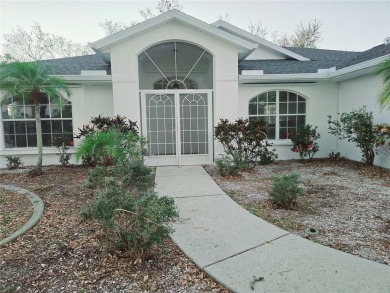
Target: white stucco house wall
(177, 76)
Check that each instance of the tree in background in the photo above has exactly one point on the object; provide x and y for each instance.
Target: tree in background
(384, 96)
(36, 44)
(258, 29)
(305, 36)
(31, 81)
(111, 27)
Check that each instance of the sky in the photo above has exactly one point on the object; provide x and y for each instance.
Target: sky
(346, 25)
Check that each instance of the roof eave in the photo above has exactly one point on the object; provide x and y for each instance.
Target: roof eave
(260, 41)
(172, 15)
(285, 78)
(358, 69)
(86, 78)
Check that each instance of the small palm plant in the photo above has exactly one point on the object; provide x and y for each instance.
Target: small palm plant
(384, 96)
(31, 81)
(111, 147)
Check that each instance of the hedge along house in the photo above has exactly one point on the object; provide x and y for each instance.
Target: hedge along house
(177, 76)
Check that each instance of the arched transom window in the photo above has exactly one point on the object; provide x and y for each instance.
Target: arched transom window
(175, 65)
(283, 110)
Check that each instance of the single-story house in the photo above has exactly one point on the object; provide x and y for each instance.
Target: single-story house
(177, 76)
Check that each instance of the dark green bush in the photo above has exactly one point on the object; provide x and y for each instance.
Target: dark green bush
(97, 177)
(103, 123)
(136, 223)
(136, 176)
(285, 189)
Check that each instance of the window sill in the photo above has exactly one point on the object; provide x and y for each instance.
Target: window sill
(32, 151)
(282, 142)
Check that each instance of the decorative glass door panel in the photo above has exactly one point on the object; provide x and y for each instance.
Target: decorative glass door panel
(177, 127)
(194, 124)
(160, 119)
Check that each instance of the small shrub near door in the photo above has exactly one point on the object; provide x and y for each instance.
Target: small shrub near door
(244, 142)
(285, 190)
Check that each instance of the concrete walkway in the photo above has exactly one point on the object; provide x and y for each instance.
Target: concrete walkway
(235, 247)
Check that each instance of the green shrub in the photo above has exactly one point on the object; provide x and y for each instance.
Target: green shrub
(357, 126)
(97, 177)
(226, 167)
(304, 141)
(285, 189)
(136, 223)
(136, 176)
(145, 223)
(14, 162)
(245, 141)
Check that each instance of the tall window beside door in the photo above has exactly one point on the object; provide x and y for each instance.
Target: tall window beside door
(284, 111)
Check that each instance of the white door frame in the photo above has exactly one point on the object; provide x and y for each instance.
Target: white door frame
(179, 159)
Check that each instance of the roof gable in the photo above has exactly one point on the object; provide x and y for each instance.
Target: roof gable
(167, 17)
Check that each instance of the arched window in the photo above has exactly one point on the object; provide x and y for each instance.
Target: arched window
(178, 65)
(283, 110)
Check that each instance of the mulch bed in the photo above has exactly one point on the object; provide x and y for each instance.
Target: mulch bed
(346, 201)
(15, 210)
(65, 253)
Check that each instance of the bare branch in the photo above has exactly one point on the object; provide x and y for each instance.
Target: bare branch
(36, 44)
(258, 29)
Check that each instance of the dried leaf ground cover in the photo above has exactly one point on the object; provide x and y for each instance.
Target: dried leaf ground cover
(65, 253)
(347, 202)
(15, 210)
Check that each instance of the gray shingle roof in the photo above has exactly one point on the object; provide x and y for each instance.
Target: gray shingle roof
(323, 54)
(74, 65)
(372, 53)
(320, 59)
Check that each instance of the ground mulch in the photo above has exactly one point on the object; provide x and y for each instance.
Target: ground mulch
(15, 210)
(346, 201)
(65, 253)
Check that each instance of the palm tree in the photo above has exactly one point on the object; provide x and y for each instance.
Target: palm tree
(32, 80)
(384, 96)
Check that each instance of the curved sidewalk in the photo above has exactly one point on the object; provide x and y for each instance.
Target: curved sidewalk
(247, 254)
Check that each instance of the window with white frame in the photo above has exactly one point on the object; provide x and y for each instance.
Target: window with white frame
(19, 123)
(283, 110)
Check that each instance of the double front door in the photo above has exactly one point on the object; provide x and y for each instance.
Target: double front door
(178, 127)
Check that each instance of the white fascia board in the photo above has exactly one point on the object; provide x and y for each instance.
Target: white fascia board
(167, 17)
(258, 40)
(299, 77)
(357, 69)
(86, 78)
